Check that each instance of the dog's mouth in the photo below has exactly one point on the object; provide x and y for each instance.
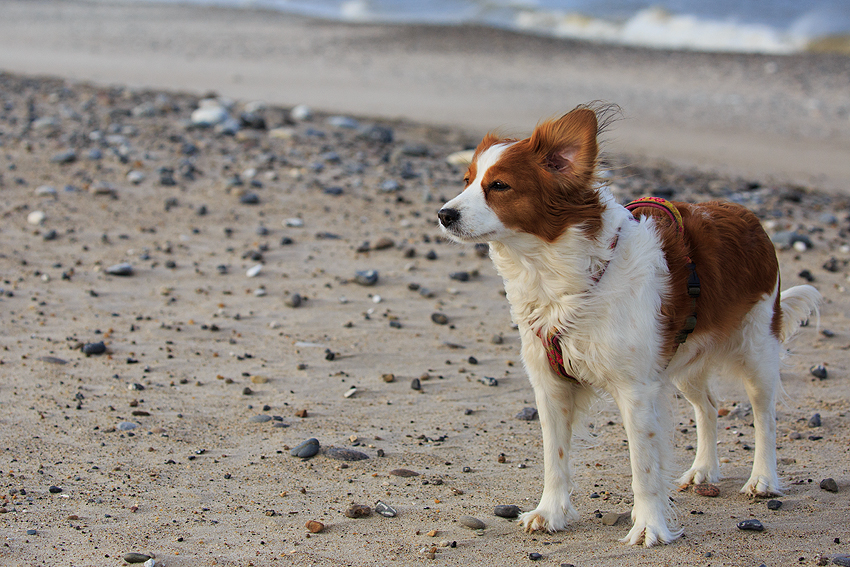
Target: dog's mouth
(459, 235)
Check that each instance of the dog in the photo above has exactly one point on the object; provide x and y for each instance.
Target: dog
(628, 301)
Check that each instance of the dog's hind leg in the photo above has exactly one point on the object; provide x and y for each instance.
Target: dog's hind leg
(646, 416)
(761, 380)
(559, 402)
(706, 467)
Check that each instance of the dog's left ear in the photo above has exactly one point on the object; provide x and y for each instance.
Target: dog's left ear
(568, 144)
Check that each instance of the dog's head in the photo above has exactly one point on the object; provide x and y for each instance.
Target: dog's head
(541, 185)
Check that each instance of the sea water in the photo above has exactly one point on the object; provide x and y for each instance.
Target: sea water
(750, 26)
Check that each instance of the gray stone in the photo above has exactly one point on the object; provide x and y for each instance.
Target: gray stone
(829, 485)
(136, 557)
(752, 525)
(343, 454)
(306, 449)
(127, 426)
(262, 418)
(385, 510)
(471, 523)
(122, 269)
(366, 277)
(507, 511)
(814, 421)
(527, 414)
(94, 348)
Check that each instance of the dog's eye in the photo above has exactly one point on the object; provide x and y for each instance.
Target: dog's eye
(466, 180)
(499, 186)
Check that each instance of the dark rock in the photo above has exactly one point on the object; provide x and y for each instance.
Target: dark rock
(814, 421)
(366, 277)
(262, 418)
(54, 490)
(488, 381)
(306, 449)
(66, 156)
(829, 485)
(94, 348)
(358, 511)
(534, 556)
(460, 276)
(122, 269)
(843, 560)
(343, 454)
(439, 319)
(752, 525)
(294, 300)
(507, 511)
(136, 557)
(404, 473)
(819, 372)
(471, 523)
(774, 504)
(527, 414)
(415, 384)
(385, 510)
(249, 199)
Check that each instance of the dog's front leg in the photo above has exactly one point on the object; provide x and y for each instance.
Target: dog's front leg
(646, 416)
(557, 400)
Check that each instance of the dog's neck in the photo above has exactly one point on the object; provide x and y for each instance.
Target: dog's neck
(546, 280)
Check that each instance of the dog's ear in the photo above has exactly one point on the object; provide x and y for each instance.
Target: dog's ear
(568, 144)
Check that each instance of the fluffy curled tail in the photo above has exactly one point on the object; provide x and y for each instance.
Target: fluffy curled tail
(797, 303)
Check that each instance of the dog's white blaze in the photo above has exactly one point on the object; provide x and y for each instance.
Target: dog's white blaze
(477, 219)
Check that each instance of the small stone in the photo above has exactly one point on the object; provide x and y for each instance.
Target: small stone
(94, 348)
(460, 276)
(471, 523)
(405, 473)
(294, 222)
(819, 372)
(136, 557)
(611, 518)
(527, 414)
(432, 533)
(829, 485)
(708, 490)
(358, 511)
(36, 217)
(343, 454)
(497, 339)
(294, 300)
(843, 560)
(254, 271)
(366, 277)
(439, 319)
(246, 391)
(415, 384)
(262, 418)
(65, 156)
(301, 413)
(383, 243)
(507, 511)
(259, 379)
(752, 525)
(46, 190)
(314, 526)
(32, 532)
(209, 114)
(488, 381)
(388, 377)
(534, 556)
(306, 449)
(127, 426)
(350, 392)
(122, 269)
(814, 421)
(774, 504)
(302, 112)
(385, 510)
(54, 490)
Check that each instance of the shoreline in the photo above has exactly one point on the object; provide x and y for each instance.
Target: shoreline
(785, 119)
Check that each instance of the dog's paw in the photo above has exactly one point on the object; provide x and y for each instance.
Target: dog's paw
(649, 535)
(698, 475)
(543, 520)
(762, 486)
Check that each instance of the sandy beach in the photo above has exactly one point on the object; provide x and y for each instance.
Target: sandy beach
(244, 277)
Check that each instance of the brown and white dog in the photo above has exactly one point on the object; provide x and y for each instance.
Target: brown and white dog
(601, 296)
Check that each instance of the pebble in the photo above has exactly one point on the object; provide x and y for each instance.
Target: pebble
(405, 473)
(415, 384)
(306, 449)
(819, 372)
(135, 177)
(54, 490)
(843, 560)
(94, 348)
(127, 426)
(388, 377)
(262, 418)
(534, 556)
(527, 414)
(708, 490)
(48, 190)
(294, 222)
(350, 392)
(36, 217)
(50, 235)
(752, 525)
(814, 421)
(32, 532)
(301, 113)
(343, 454)
(488, 381)
(122, 269)
(471, 522)
(294, 300)
(611, 518)
(460, 276)
(829, 485)
(134, 557)
(507, 511)
(788, 238)
(774, 504)
(249, 199)
(358, 511)
(385, 510)
(366, 277)
(66, 156)
(314, 526)
(343, 122)
(439, 319)
(209, 114)
(254, 271)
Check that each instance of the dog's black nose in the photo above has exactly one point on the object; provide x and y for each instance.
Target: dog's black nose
(448, 217)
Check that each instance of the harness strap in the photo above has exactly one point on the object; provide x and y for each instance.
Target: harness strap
(554, 354)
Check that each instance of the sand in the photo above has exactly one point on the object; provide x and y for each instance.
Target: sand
(197, 481)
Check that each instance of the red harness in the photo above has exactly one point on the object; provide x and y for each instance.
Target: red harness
(552, 343)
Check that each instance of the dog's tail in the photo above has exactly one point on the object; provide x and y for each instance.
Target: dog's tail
(797, 303)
